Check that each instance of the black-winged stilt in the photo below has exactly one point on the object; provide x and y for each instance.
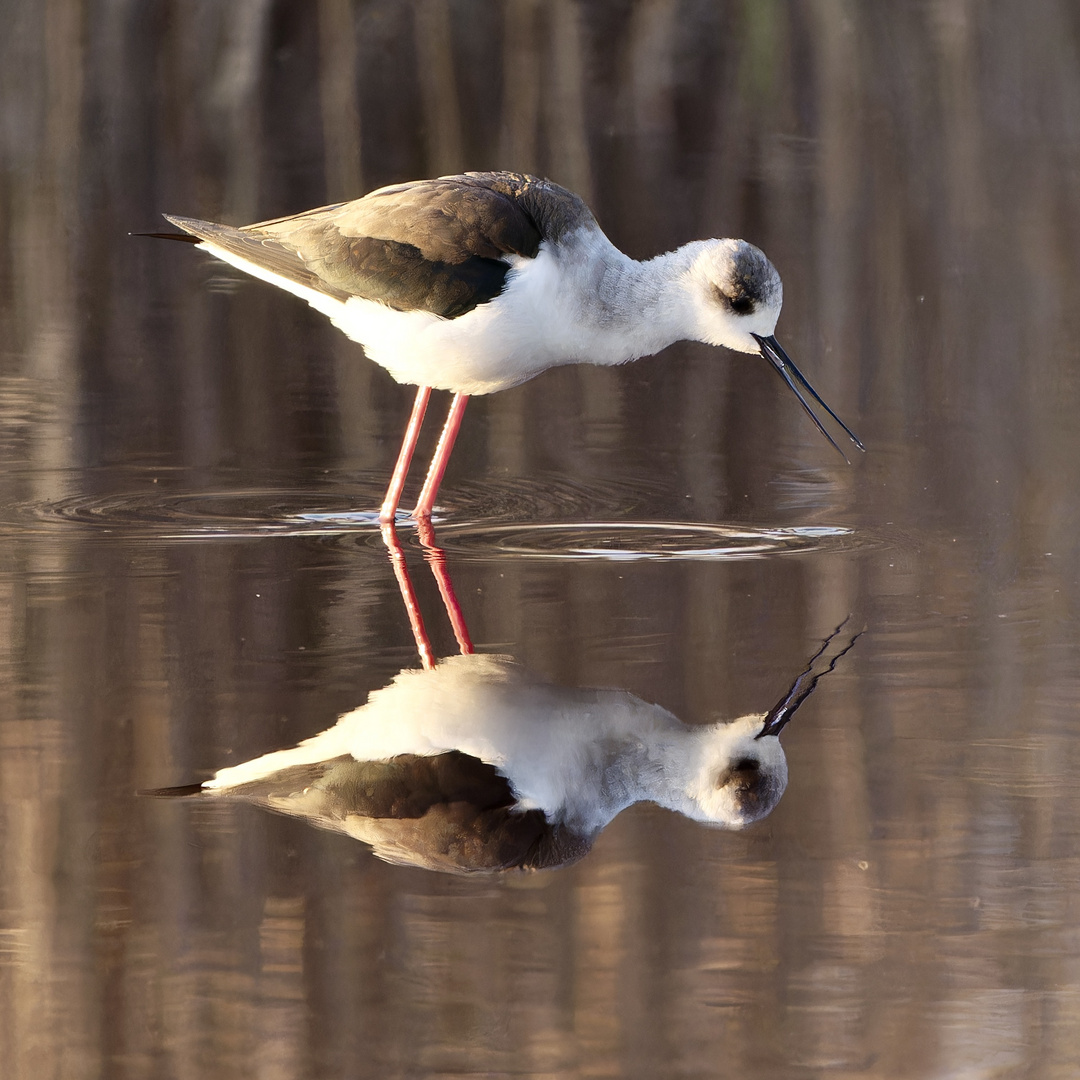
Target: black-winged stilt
(478, 282)
(477, 765)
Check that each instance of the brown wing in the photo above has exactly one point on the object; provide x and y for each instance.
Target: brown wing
(431, 245)
(449, 812)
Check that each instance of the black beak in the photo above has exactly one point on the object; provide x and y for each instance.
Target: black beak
(778, 716)
(772, 351)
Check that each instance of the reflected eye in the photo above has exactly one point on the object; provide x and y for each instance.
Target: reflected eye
(742, 775)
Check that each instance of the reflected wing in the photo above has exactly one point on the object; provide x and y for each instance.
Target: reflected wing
(449, 812)
(457, 838)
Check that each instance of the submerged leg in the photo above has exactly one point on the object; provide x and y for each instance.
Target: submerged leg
(408, 445)
(442, 455)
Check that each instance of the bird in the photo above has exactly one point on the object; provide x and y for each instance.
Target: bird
(475, 283)
(477, 764)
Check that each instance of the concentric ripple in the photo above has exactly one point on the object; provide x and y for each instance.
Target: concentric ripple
(248, 512)
(555, 519)
(633, 540)
(199, 516)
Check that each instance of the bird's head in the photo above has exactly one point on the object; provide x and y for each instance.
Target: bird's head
(739, 777)
(735, 294)
(740, 769)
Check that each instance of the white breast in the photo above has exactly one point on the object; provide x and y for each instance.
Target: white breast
(582, 301)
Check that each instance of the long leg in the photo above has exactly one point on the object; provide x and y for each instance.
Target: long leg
(436, 559)
(408, 445)
(401, 572)
(450, 430)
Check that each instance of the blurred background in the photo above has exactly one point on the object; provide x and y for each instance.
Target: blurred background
(172, 602)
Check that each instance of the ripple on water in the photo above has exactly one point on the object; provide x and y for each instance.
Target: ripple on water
(558, 518)
(344, 508)
(634, 540)
(208, 515)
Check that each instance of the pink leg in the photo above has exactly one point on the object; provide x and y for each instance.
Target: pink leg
(401, 572)
(436, 559)
(408, 445)
(450, 430)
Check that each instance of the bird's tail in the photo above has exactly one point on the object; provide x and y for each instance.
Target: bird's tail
(181, 792)
(168, 236)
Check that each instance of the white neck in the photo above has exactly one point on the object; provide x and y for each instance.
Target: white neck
(655, 766)
(627, 308)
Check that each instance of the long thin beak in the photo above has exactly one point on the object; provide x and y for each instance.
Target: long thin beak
(803, 686)
(772, 351)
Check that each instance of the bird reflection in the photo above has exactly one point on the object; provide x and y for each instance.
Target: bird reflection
(474, 764)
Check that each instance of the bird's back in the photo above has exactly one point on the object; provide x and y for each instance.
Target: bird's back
(439, 246)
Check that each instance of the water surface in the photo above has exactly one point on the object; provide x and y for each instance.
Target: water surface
(191, 574)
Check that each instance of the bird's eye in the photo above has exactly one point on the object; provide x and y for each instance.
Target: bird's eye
(741, 305)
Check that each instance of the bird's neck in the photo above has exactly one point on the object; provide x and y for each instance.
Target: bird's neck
(654, 766)
(644, 306)
(675, 760)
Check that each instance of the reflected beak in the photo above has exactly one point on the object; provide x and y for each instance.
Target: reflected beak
(779, 715)
(774, 353)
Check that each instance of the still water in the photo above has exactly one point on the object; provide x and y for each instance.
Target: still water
(191, 575)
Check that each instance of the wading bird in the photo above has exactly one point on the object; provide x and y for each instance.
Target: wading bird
(476, 283)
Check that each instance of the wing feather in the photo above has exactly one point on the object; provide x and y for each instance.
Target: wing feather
(431, 245)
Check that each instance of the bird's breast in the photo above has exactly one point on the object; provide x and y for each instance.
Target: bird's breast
(551, 312)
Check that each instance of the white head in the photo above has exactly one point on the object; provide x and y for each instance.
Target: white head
(735, 293)
(740, 774)
(738, 770)
(735, 298)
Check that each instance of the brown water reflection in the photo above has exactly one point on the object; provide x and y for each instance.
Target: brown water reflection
(909, 908)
